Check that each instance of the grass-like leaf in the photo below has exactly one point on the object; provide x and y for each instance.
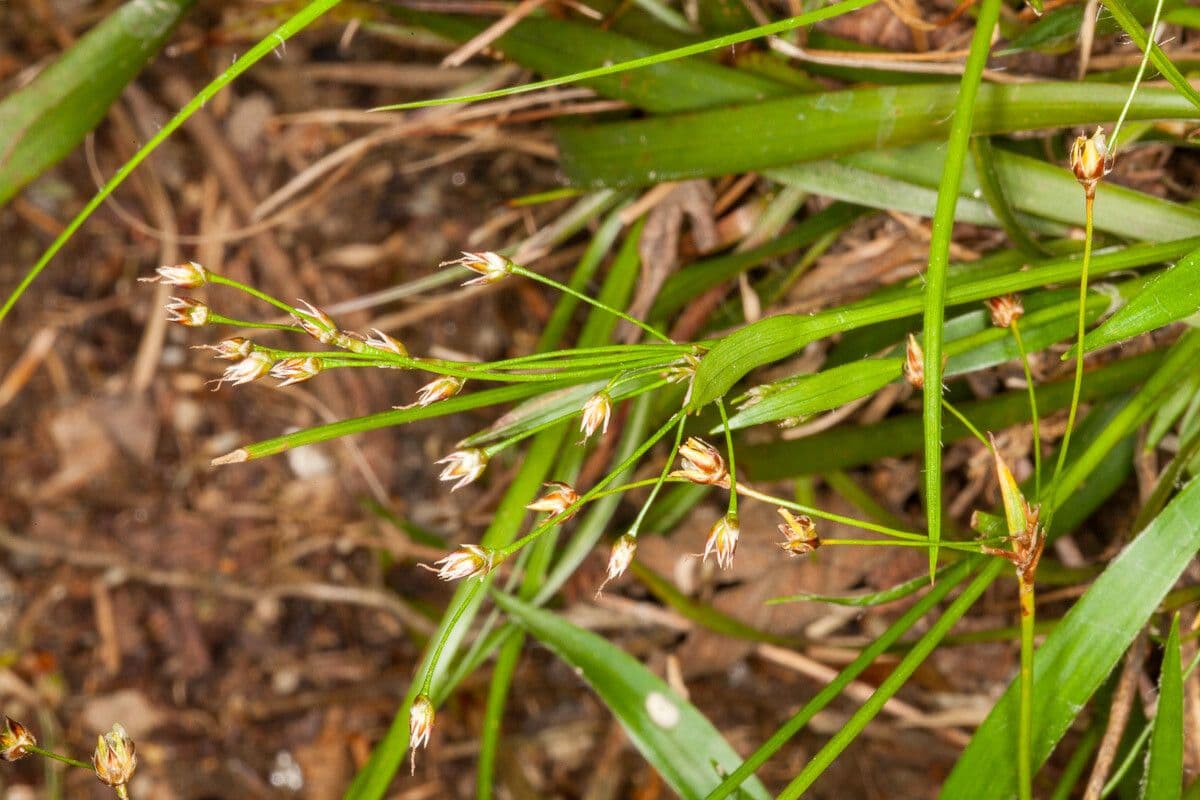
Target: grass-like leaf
(1083, 649)
(45, 120)
(689, 753)
(1164, 770)
(1170, 296)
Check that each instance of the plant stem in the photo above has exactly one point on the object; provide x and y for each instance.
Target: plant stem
(729, 447)
(966, 423)
(41, 751)
(221, 280)
(1078, 384)
(562, 287)
(1140, 73)
(1025, 731)
(750, 491)
(1033, 411)
(427, 684)
(658, 483)
(221, 319)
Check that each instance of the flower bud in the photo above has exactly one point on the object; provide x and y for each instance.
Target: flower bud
(15, 740)
(800, 534)
(556, 501)
(619, 559)
(914, 363)
(722, 540)
(1091, 160)
(420, 725)
(463, 466)
(186, 311)
(250, 368)
(490, 267)
(233, 349)
(1005, 310)
(319, 325)
(596, 412)
(468, 561)
(442, 388)
(382, 341)
(296, 369)
(115, 759)
(702, 463)
(188, 276)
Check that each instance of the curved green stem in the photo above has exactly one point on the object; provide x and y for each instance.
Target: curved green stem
(1033, 410)
(427, 683)
(562, 287)
(221, 280)
(41, 751)
(732, 467)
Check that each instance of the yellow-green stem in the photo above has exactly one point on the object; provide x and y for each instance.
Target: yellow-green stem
(41, 751)
(427, 685)
(562, 287)
(1033, 410)
(1025, 732)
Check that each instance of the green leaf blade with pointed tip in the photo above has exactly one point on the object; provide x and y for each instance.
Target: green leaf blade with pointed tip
(1164, 770)
(669, 731)
(1171, 296)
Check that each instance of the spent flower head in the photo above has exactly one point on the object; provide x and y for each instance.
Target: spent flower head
(1091, 160)
(468, 561)
(556, 501)
(15, 740)
(623, 551)
(596, 413)
(319, 325)
(115, 758)
(463, 466)
(722, 540)
(914, 363)
(250, 368)
(1005, 310)
(799, 534)
(188, 275)
(186, 311)
(702, 463)
(296, 369)
(420, 725)
(490, 267)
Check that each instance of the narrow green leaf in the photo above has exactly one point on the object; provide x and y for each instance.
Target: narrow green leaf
(1164, 770)
(889, 595)
(1083, 649)
(810, 127)
(1170, 296)
(774, 338)
(1162, 63)
(983, 158)
(45, 120)
(685, 748)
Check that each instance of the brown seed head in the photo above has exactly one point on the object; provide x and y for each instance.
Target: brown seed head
(296, 369)
(463, 466)
(702, 463)
(468, 561)
(1005, 310)
(15, 740)
(596, 412)
(623, 551)
(189, 275)
(442, 388)
(800, 534)
(233, 349)
(115, 759)
(914, 363)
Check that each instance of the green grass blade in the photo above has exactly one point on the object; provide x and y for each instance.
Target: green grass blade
(789, 24)
(1131, 26)
(45, 120)
(671, 734)
(1164, 770)
(294, 24)
(811, 127)
(1083, 649)
(775, 338)
(891, 594)
(1168, 297)
(983, 158)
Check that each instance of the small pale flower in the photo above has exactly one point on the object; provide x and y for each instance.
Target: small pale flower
(1091, 160)
(15, 740)
(250, 368)
(382, 341)
(420, 725)
(556, 501)
(233, 349)
(115, 759)
(683, 371)
(623, 551)
(468, 561)
(463, 466)
(914, 363)
(187, 276)
(596, 412)
(319, 325)
(296, 369)
(442, 388)
(722, 540)
(799, 533)
(490, 267)
(702, 463)
(1005, 310)
(186, 311)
